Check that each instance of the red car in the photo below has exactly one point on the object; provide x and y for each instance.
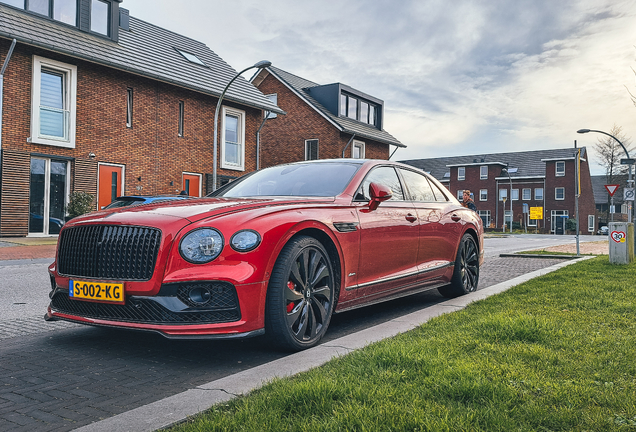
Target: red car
(277, 251)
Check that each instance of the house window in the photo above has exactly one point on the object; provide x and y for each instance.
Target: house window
(233, 139)
(590, 223)
(538, 194)
(460, 195)
(100, 17)
(560, 169)
(60, 10)
(53, 103)
(181, 116)
(503, 194)
(559, 193)
(557, 216)
(357, 151)
(311, 149)
(483, 172)
(461, 173)
(485, 217)
(273, 99)
(190, 57)
(526, 194)
(349, 108)
(129, 107)
(507, 216)
(352, 108)
(515, 195)
(483, 195)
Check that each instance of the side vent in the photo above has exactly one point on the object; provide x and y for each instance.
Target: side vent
(124, 19)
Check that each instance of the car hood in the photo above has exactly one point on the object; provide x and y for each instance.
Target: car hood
(185, 211)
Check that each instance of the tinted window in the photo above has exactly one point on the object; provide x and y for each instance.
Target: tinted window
(99, 16)
(385, 176)
(418, 186)
(313, 179)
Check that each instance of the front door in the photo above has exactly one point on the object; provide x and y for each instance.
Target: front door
(111, 184)
(48, 193)
(192, 184)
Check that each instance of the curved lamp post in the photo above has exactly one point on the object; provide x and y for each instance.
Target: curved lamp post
(505, 169)
(260, 65)
(630, 162)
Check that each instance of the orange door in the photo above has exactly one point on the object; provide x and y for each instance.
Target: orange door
(110, 184)
(192, 184)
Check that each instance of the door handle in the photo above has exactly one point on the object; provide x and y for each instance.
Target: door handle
(411, 218)
(456, 218)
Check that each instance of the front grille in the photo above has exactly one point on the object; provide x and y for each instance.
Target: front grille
(109, 252)
(140, 310)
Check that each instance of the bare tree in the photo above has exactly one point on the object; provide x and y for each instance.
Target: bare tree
(611, 153)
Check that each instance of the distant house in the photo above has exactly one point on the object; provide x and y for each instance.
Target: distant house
(541, 179)
(603, 201)
(322, 121)
(98, 101)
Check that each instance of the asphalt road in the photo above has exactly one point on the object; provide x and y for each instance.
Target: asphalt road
(60, 376)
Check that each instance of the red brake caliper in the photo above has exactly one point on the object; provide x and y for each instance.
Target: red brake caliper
(290, 305)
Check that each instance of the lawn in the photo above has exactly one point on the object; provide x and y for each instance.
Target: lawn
(557, 353)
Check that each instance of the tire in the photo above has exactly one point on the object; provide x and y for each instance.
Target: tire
(300, 295)
(466, 273)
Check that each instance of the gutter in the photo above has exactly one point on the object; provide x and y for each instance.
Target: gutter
(4, 67)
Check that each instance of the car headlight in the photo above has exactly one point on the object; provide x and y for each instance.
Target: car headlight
(201, 245)
(245, 240)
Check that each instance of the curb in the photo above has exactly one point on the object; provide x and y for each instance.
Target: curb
(565, 257)
(178, 408)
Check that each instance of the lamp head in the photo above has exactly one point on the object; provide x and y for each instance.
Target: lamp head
(263, 64)
(582, 131)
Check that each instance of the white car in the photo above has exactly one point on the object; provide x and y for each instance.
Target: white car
(604, 230)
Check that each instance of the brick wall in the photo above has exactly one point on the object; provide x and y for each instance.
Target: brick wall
(283, 138)
(150, 150)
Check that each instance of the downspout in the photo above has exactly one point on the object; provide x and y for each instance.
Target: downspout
(347, 146)
(4, 67)
(258, 142)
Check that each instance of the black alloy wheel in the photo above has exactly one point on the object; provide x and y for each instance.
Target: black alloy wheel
(300, 295)
(466, 273)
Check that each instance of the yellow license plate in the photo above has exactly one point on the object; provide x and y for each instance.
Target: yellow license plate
(96, 291)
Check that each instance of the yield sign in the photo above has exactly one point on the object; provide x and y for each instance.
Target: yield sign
(611, 189)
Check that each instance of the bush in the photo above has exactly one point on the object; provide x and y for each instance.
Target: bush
(80, 203)
(570, 224)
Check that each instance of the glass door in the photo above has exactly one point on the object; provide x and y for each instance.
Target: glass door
(47, 197)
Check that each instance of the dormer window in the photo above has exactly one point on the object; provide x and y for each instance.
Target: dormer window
(100, 17)
(358, 109)
(190, 57)
(61, 10)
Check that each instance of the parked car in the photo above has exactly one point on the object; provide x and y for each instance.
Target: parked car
(135, 200)
(604, 230)
(277, 251)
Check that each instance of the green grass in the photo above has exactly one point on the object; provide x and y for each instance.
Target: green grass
(557, 353)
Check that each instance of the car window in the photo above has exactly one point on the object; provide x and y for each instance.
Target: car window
(385, 176)
(418, 186)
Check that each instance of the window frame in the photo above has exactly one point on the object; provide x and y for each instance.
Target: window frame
(109, 23)
(535, 194)
(558, 173)
(225, 111)
(69, 73)
(514, 192)
(523, 194)
(130, 94)
(180, 129)
(461, 177)
(590, 223)
(485, 214)
(361, 145)
(307, 148)
(503, 193)
(483, 176)
(556, 193)
(483, 194)
(460, 195)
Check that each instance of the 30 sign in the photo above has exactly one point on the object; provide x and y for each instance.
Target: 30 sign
(619, 236)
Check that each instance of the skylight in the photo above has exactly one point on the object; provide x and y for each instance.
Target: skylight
(513, 170)
(447, 175)
(190, 57)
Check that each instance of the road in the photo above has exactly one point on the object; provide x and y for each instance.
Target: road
(59, 376)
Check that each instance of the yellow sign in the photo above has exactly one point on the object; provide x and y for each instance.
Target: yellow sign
(536, 212)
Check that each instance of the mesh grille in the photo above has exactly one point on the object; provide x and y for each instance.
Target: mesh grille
(109, 252)
(221, 295)
(140, 310)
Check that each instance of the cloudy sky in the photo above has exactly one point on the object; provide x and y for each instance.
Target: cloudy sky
(457, 77)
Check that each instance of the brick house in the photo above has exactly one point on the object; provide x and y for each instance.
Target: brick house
(97, 101)
(541, 178)
(322, 121)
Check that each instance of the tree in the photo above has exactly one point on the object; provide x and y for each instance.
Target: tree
(611, 152)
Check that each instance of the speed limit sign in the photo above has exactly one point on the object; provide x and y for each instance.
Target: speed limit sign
(628, 194)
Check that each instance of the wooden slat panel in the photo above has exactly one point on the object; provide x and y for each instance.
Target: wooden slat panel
(85, 177)
(14, 207)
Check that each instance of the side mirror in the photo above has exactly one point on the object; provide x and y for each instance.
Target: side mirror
(379, 193)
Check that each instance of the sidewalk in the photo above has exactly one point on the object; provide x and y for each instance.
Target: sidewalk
(21, 248)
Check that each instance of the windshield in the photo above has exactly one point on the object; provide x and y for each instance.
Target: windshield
(304, 179)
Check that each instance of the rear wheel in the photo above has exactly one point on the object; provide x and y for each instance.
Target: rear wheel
(466, 273)
(300, 296)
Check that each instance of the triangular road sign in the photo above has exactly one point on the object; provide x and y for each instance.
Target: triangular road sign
(611, 189)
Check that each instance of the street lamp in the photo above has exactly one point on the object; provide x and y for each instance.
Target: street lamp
(260, 65)
(628, 161)
(505, 170)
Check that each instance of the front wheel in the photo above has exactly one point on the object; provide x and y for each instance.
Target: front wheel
(300, 295)
(466, 272)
